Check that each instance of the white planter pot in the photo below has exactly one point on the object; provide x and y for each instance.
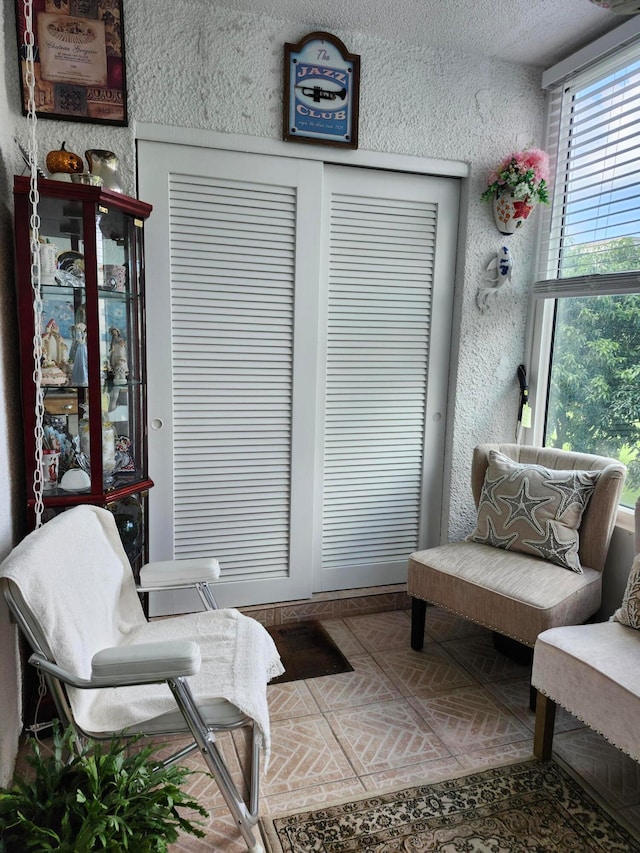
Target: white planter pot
(510, 213)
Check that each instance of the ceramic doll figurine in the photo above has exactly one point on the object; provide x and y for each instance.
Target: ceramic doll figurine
(54, 349)
(80, 369)
(118, 357)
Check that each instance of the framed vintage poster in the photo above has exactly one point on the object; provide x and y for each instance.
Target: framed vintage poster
(321, 91)
(78, 59)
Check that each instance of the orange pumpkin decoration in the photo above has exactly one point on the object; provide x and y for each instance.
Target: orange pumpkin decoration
(64, 161)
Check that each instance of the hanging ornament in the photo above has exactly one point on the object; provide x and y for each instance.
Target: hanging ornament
(498, 272)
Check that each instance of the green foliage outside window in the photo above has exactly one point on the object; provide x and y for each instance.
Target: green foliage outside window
(594, 397)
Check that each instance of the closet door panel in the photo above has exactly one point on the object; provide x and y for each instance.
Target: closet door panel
(234, 388)
(389, 249)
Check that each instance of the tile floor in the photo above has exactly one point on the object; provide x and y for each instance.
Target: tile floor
(404, 718)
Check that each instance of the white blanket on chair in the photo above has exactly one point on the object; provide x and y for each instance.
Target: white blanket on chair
(75, 577)
(238, 658)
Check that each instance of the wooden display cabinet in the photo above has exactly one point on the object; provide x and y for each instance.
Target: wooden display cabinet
(93, 359)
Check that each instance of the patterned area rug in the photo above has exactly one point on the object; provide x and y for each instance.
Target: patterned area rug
(521, 808)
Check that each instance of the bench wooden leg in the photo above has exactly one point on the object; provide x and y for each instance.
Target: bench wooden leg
(418, 617)
(545, 719)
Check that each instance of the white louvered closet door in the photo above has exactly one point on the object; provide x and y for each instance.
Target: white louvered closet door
(231, 392)
(299, 325)
(389, 254)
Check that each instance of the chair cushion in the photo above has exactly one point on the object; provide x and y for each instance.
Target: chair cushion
(533, 509)
(513, 593)
(592, 671)
(629, 611)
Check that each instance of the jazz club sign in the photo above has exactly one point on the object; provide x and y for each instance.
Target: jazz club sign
(322, 86)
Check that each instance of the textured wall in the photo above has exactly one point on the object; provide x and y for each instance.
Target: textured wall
(222, 70)
(206, 66)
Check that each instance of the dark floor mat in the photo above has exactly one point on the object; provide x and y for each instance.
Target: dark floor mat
(307, 651)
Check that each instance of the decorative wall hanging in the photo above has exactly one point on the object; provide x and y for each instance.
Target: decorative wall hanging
(518, 183)
(321, 91)
(498, 273)
(79, 61)
(509, 212)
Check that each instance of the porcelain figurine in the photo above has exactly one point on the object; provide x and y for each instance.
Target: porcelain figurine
(78, 355)
(118, 357)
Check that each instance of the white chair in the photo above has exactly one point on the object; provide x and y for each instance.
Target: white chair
(592, 671)
(112, 673)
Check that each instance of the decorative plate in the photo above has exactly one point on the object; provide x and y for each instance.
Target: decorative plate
(72, 262)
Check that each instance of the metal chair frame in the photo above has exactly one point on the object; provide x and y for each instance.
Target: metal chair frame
(245, 813)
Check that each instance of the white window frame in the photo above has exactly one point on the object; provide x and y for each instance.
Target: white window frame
(542, 305)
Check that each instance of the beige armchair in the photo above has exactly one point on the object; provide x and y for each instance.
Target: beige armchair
(516, 593)
(592, 672)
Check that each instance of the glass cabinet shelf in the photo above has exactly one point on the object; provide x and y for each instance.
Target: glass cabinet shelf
(92, 368)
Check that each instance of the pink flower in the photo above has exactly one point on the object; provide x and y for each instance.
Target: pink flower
(537, 160)
(525, 172)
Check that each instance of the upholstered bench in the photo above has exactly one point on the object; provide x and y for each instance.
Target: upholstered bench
(594, 672)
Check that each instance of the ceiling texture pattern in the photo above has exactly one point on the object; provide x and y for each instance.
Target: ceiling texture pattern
(529, 32)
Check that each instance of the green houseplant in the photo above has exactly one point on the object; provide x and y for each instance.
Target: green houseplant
(95, 797)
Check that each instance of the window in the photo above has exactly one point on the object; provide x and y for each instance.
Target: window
(587, 291)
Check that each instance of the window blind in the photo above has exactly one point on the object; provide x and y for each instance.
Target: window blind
(591, 231)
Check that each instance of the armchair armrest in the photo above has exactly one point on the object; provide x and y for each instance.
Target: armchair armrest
(178, 573)
(146, 663)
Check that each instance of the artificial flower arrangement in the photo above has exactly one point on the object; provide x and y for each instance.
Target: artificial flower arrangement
(524, 174)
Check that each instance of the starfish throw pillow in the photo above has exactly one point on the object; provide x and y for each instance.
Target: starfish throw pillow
(533, 509)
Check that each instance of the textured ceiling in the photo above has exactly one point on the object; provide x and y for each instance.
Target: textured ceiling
(532, 32)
